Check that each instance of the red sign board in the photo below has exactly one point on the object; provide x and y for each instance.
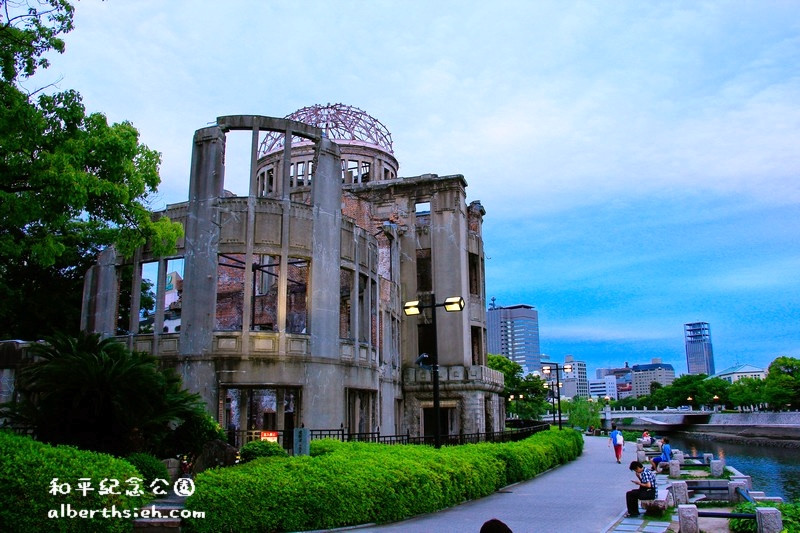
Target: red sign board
(270, 436)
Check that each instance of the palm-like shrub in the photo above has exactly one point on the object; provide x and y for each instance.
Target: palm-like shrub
(96, 394)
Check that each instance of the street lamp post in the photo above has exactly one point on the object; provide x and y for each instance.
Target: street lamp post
(514, 400)
(547, 369)
(451, 305)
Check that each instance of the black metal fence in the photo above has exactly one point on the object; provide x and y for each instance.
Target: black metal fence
(239, 438)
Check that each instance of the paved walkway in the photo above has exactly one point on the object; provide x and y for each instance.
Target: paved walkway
(585, 495)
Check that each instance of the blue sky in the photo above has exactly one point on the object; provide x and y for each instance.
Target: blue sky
(638, 161)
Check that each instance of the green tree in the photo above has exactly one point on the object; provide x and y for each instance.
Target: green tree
(747, 393)
(96, 394)
(715, 391)
(683, 388)
(533, 393)
(529, 391)
(782, 386)
(70, 182)
(583, 413)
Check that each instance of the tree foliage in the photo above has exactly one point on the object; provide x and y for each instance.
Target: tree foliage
(70, 182)
(583, 413)
(779, 390)
(529, 392)
(96, 394)
(512, 372)
(782, 386)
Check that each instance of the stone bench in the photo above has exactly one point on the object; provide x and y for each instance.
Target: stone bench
(658, 505)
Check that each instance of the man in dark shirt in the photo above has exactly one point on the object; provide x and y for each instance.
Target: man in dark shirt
(646, 479)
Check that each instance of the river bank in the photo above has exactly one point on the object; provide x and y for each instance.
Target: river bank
(780, 430)
(773, 469)
(738, 438)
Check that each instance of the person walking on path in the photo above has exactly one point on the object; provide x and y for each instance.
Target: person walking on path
(573, 497)
(616, 440)
(646, 479)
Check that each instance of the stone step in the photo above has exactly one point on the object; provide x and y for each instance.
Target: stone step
(157, 525)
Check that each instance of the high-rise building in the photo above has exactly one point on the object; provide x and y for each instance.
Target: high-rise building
(643, 376)
(575, 381)
(699, 355)
(623, 376)
(605, 386)
(513, 331)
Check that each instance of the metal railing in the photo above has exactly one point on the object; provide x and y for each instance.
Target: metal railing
(238, 438)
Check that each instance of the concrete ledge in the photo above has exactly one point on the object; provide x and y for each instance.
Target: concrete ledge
(659, 504)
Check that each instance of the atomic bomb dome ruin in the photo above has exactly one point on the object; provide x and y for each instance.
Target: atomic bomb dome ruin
(284, 308)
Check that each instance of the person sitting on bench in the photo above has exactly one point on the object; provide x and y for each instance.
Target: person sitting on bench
(646, 480)
(666, 454)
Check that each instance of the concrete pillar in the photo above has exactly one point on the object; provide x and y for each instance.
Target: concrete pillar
(716, 468)
(607, 417)
(641, 456)
(674, 469)
(280, 410)
(747, 480)
(206, 183)
(678, 455)
(768, 520)
(244, 405)
(688, 519)
(734, 496)
(680, 492)
(450, 272)
(100, 288)
(326, 199)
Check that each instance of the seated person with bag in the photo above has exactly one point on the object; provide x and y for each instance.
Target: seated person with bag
(646, 479)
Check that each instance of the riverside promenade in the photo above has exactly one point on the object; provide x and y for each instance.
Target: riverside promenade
(586, 495)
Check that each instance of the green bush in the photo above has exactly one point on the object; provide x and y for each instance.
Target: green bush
(197, 429)
(261, 448)
(323, 446)
(27, 469)
(150, 467)
(790, 514)
(344, 484)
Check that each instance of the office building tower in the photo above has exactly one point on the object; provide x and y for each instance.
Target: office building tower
(699, 354)
(575, 381)
(645, 375)
(602, 387)
(623, 376)
(513, 331)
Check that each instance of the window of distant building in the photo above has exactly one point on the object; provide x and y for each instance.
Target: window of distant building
(424, 273)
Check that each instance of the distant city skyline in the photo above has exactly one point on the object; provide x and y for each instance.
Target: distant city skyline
(637, 161)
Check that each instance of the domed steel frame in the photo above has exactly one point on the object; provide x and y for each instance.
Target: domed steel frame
(341, 123)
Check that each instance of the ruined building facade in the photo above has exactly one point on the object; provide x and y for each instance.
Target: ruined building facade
(284, 307)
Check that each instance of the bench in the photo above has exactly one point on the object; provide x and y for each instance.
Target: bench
(658, 505)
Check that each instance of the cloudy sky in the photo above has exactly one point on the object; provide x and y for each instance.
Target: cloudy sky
(638, 161)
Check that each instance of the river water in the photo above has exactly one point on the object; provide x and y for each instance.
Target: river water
(774, 470)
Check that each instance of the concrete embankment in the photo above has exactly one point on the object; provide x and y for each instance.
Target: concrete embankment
(759, 429)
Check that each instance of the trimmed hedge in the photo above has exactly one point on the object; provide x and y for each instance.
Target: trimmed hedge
(344, 484)
(27, 468)
(261, 448)
(150, 467)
